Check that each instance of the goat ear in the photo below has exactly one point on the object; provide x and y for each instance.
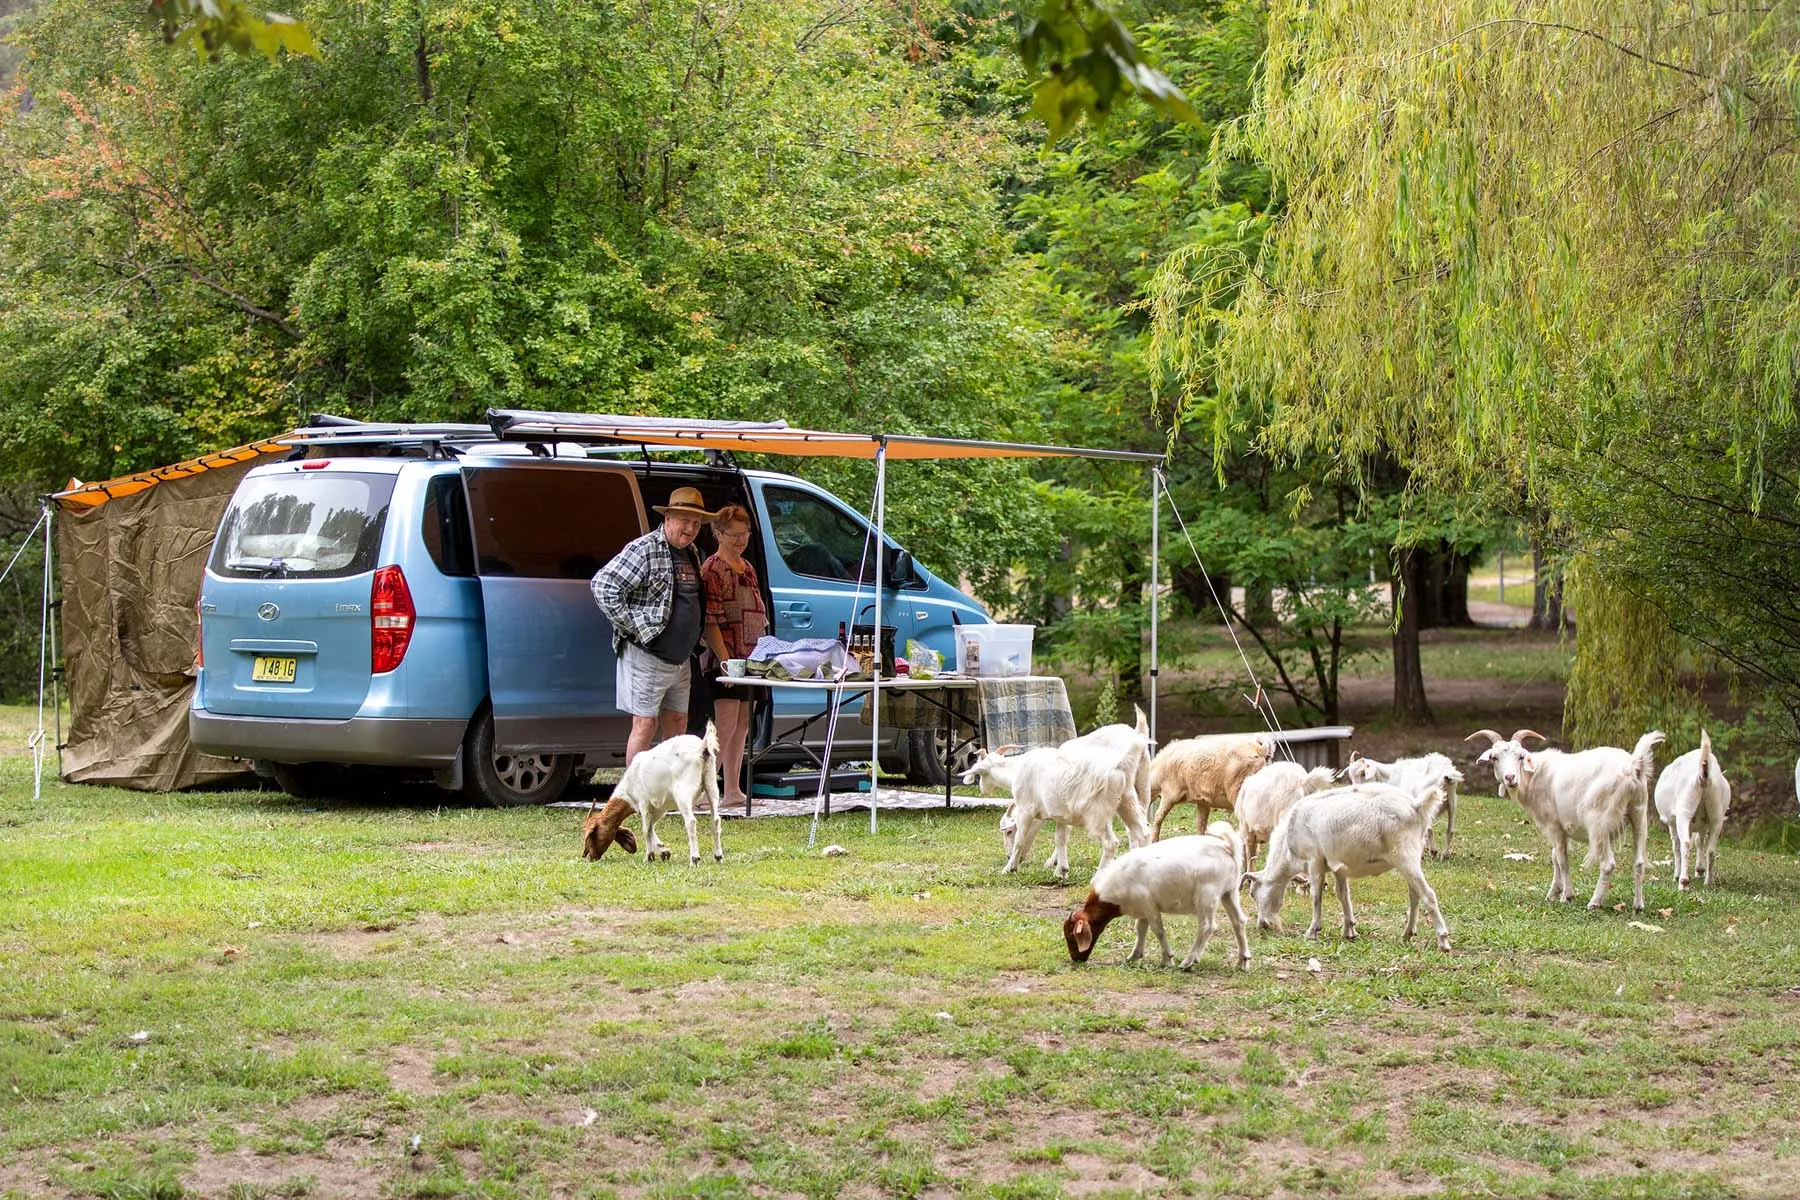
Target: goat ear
(627, 840)
(1486, 756)
(1249, 880)
(1084, 934)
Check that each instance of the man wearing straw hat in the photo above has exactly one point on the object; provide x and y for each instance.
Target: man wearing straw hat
(651, 593)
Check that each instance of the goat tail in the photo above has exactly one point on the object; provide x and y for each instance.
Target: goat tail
(709, 773)
(1643, 758)
(1706, 758)
(710, 743)
(1226, 832)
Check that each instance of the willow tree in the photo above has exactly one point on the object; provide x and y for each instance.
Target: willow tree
(1511, 235)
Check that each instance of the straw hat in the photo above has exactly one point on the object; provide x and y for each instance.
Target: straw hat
(685, 502)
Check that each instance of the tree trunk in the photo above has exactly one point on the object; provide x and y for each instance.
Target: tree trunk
(1259, 605)
(1456, 592)
(1191, 583)
(1409, 576)
(1428, 598)
(1546, 595)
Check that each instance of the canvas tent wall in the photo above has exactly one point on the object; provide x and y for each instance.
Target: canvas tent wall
(130, 555)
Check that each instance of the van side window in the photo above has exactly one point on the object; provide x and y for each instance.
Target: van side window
(445, 526)
(815, 538)
(549, 522)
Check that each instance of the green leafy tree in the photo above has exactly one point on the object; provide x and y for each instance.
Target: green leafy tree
(1506, 239)
(773, 210)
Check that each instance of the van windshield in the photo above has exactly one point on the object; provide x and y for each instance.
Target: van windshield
(312, 523)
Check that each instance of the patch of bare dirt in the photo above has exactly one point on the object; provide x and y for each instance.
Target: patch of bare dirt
(345, 1168)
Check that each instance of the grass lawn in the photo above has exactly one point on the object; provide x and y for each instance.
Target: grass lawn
(239, 995)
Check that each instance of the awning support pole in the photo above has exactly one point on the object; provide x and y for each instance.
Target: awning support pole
(875, 692)
(37, 738)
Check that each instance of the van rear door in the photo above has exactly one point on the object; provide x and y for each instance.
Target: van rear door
(286, 605)
(541, 531)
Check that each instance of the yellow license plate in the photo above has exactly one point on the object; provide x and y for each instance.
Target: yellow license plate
(273, 670)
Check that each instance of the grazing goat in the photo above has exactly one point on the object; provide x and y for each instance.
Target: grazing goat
(678, 771)
(1693, 785)
(1269, 793)
(1066, 787)
(1193, 874)
(1594, 793)
(1206, 772)
(1431, 773)
(1351, 832)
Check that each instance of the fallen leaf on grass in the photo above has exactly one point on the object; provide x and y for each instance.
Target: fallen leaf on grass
(1620, 907)
(231, 951)
(943, 1016)
(1665, 912)
(833, 852)
(1647, 928)
(588, 1117)
(1314, 965)
(506, 938)
(1519, 857)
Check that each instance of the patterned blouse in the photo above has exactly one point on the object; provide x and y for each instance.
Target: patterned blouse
(734, 603)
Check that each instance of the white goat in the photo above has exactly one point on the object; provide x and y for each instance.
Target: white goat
(1131, 748)
(1594, 793)
(1206, 772)
(1431, 773)
(1066, 787)
(1193, 874)
(1693, 785)
(1351, 832)
(678, 771)
(1269, 793)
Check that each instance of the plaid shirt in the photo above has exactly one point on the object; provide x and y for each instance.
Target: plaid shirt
(636, 590)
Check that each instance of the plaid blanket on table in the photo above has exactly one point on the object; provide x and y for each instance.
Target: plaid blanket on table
(1028, 712)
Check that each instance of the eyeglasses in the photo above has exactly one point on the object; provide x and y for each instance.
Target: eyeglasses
(734, 534)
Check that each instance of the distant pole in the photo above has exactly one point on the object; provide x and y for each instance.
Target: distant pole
(1503, 577)
(1156, 486)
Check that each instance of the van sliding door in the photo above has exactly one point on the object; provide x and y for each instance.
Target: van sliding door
(541, 531)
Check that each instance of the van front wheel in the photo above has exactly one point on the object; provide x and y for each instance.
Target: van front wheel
(510, 780)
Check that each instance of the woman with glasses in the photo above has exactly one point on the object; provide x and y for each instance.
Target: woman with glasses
(735, 619)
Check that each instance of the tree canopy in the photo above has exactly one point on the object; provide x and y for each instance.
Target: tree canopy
(1517, 247)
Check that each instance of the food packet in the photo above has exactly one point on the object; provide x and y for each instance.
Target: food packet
(926, 662)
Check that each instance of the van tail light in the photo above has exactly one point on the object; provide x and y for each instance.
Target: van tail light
(199, 635)
(391, 616)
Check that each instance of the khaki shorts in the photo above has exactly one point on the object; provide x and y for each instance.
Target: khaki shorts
(647, 685)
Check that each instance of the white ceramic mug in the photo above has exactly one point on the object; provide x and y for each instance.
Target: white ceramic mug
(734, 667)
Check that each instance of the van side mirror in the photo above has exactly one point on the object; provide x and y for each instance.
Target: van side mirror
(899, 569)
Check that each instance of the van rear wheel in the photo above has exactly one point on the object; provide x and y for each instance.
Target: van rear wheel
(507, 780)
(925, 763)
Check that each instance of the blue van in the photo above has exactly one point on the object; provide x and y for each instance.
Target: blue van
(422, 602)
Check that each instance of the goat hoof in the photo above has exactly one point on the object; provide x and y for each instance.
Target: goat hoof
(693, 860)
(1243, 963)
(718, 858)
(1444, 944)
(663, 854)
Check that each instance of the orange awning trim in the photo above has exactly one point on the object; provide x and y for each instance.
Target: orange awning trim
(85, 496)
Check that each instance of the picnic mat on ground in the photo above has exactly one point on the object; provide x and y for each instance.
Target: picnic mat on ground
(1026, 712)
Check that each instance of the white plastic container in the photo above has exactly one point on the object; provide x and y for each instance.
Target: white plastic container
(994, 650)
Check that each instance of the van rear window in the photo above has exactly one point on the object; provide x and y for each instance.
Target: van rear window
(303, 523)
